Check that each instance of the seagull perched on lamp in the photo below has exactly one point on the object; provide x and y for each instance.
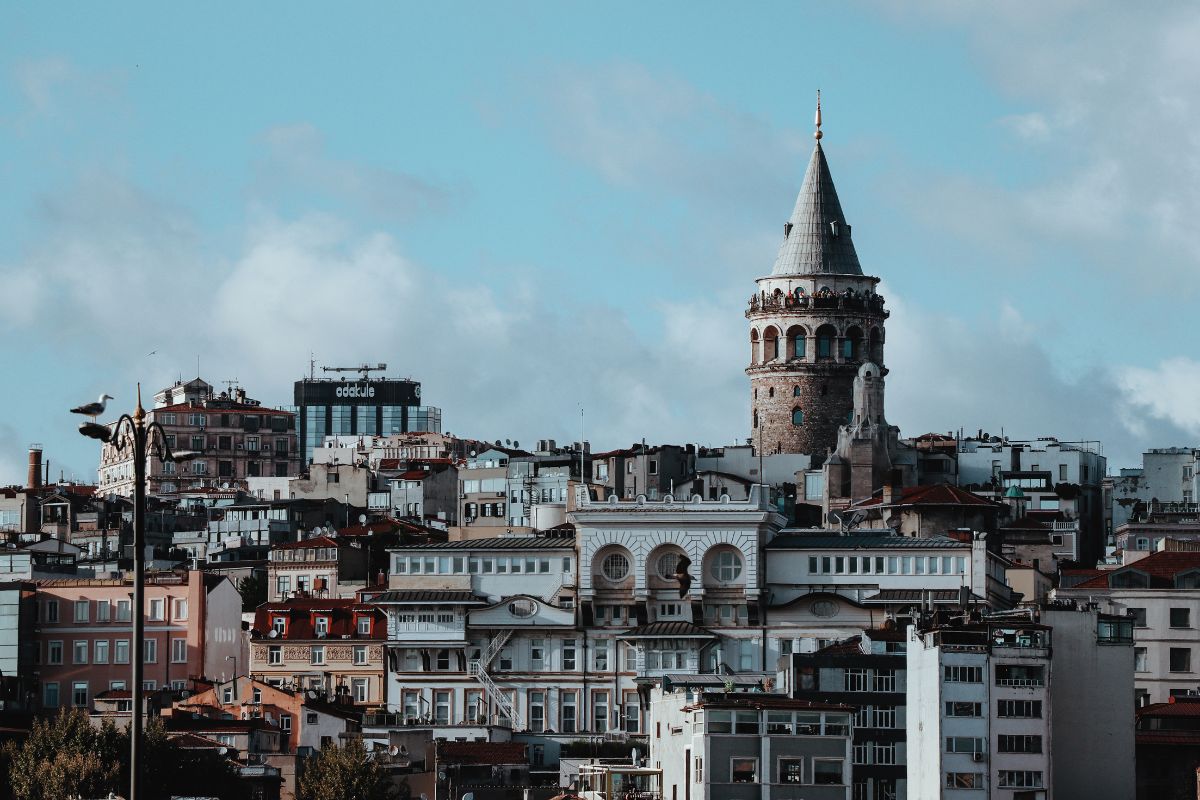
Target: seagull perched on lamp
(92, 410)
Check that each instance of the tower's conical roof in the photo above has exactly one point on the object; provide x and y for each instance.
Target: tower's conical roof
(817, 238)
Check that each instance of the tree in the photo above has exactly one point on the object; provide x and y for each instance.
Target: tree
(65, 756)
(344, 773)
(253, 589)
(172, 771)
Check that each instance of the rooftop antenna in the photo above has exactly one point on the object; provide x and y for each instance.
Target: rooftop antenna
(312, 366)
(818, 133)
(230, 384)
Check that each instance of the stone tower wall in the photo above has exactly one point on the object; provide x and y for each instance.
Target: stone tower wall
(823, 387)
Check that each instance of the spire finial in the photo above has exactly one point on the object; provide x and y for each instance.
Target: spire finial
(818, 134)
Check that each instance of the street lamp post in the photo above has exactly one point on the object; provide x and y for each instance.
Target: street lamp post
(143, 440)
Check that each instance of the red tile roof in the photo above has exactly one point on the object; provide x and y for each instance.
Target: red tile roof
(232, 408)
(1162, 567)
(316, 541)
(300, 614)
(1026, 523)
(1177, 707)
(942, 494)
(482, 753)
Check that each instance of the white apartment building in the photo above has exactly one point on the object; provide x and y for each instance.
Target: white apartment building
(1160, 593)
(979, 711)
(1021, 705)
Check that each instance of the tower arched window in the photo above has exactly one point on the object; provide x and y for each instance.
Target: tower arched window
(825, 339)
(771, 392)
(796, 391)
(796, 342)
(756, 417)
(852, 344)
(797, 416)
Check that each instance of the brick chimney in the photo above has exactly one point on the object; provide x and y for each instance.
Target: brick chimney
(34, 480)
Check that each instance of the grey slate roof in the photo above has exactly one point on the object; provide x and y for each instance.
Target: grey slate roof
(801, 541)
(421, 596)
(668, 630)
(499, 543)
(813, 246)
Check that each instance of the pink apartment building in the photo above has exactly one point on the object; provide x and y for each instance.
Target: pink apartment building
(84, 633)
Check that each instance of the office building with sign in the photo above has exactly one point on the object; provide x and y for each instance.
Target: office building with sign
(360, 408)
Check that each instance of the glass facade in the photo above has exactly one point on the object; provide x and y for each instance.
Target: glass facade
(375, 408)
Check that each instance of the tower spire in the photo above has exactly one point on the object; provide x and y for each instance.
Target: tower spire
(818, 134)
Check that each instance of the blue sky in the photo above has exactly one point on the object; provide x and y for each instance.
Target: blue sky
(537, 206)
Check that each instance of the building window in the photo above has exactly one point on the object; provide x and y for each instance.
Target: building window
(1181, 618)
(364, 626)
(1019, 744)
(79, 694)
(121, 651)
(322, 626)
(1181, 659)
(181, 609)
(964, 780)
(797, 417)
(537, 654)
(1023, 709)
(359, 688)
(668, 564)
(80, 654)
(82, 607)
(600, 712)
(884, 680)
(100, 654)
(615, 567)
(54, 652)
(569, 712)
(856, 680)
(965, 744)
(961, 674)
(283, 587)
(51, 611)
(963, 709)
(828, 771)
(1020, 779)
(103, 611)
(317, 655)
(600, 656)
(179, 651)
(744, 770)
(443, 660)
(151, 651)
(1139, 660)
(726, 566)
(360, 654)
(568, 654)
(157, 611)
(279, 625)
(537, 711)
(50, 695)
(275, 654)
(791, 770)
(1139, 617)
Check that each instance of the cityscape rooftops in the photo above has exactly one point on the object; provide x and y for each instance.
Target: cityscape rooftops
(496, 543)
(941, 494)
(873, 540)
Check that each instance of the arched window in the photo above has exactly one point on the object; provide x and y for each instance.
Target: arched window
(726, 566)
(615, 567)
(875, 346)
(852, 344)
(771, 343)
(825, 338)
(796, 342)
(771, 392)
(756, 417)
(796, 391)
(755, 355)
(797, 416)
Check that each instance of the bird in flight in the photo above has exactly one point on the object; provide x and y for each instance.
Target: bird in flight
(92, 409)
(683, 576)
(152, 352)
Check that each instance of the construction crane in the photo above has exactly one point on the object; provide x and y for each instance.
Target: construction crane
(364, 369)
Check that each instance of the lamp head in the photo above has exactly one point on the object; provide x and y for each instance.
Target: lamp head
(94, 430)
(185, 455)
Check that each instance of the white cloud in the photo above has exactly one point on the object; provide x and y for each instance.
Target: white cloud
(1168, 391)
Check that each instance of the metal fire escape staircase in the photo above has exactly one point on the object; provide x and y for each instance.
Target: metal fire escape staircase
(478, 669)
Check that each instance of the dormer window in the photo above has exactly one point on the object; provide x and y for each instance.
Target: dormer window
(364, 626)
(279, 625)
(1129, 579)
(321, 625)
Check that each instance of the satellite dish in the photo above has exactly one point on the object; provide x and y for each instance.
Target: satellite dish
(403, 750)
(362, 518)
(273, 633)
(223, 750)
(893, 521)
(393, 750)
(311, 694)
